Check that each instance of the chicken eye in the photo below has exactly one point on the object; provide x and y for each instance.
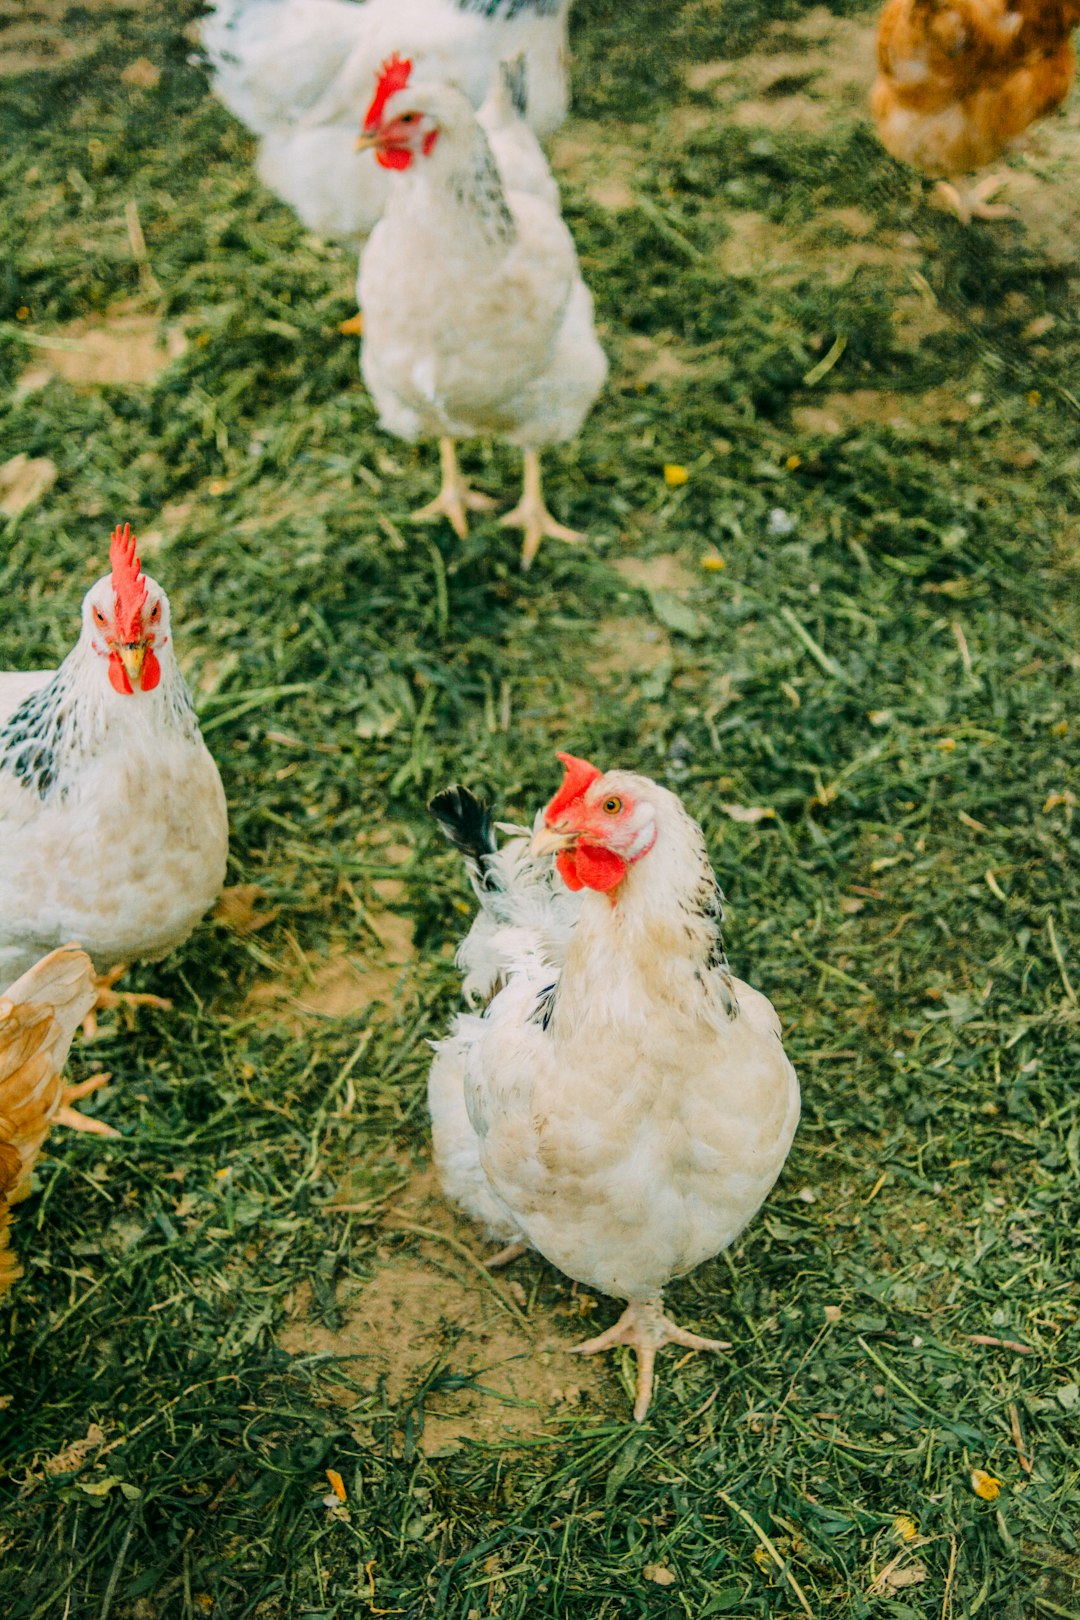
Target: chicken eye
(99, 618)
(155, 613)
(409, 118)
(611, 807)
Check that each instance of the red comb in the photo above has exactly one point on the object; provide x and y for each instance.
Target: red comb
(393, 76)
(127, 582)
(579, 776)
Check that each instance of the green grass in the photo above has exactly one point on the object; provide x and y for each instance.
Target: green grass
(894, 677)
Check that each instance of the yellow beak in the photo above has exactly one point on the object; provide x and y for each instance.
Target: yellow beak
(364, 141)
(133, 656)
(546, 839)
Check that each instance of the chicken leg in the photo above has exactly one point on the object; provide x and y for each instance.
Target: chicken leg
(532, 515)
(107, 998)
(969, 201)
(644, 1327)
(503, 1257)
(455, 499)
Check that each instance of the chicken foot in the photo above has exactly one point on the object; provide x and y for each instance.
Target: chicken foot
(645, 1328)
(456, 499)
(970, 202)
(107, 998)
(503, 1257)
(531, 515)
(72, 1118)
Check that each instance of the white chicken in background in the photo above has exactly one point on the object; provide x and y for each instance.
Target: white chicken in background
(113, 829)
(476, 318)
(622, 1104)
(39, 1015)
(296, 72)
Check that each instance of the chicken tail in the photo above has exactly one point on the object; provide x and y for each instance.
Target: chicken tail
(465, 821)
(514, 77)
(507, 100)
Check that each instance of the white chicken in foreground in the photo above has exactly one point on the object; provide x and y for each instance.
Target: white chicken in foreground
(39, 1014)
(113, 829)
(296, 71)
(622, 1104)
(476, 319)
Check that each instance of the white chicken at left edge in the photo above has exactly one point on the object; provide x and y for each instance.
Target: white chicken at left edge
(113, 826)
(623, 1105)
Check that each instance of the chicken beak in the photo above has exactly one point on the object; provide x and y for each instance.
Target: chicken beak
(546, 839)
(133, 656)
(364, 141)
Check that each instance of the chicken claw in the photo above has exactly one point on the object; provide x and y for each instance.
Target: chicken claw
(645, 1328)
(107, 998)
(72, 1118)
(970, 202)
(455, 499)
(532, 515)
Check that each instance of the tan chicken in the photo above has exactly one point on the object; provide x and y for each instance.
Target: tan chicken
(623, 1104)
(39, 1014)
(959, 80)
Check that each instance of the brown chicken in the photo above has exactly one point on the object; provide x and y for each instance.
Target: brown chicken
(39, 1014)
(959, 80)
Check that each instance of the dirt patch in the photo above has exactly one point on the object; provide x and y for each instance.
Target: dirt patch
(389, 846)
(838, 412)
(619, 645)
(658, 361)
(23, 481)
(667, 573)
(604, 167)
(791, 89)
(120, 347)
(904, 413)
(833, 248)
(348, 982)
(38, 36)
(427, 1308)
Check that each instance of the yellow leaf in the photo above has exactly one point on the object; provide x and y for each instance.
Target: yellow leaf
(713, 562)
(905, 1527)
(762, 1559)
(674, 475)
(793, 462)
(337, 1484)
(985, 1485)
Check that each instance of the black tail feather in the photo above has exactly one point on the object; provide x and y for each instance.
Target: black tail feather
(465, 821)
(515, 78)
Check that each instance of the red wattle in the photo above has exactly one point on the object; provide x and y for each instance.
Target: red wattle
(151, 671)
(429, 141)
(591, 866)
(118, 675)
(393, 158)
(566, 861)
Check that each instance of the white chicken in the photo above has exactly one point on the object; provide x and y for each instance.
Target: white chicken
(39, 1015)
(476, 318)
(622, 1104)
(113, 829)
(296, 72)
